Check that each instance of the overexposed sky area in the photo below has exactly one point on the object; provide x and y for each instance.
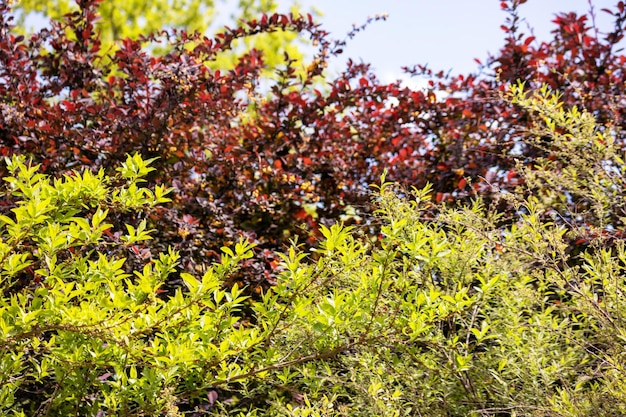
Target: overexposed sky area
(445, 34)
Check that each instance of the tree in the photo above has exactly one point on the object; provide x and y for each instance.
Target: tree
(131, 19)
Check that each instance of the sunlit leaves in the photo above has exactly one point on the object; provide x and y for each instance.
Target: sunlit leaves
(119, 20)
(456, 293)
(420, 309)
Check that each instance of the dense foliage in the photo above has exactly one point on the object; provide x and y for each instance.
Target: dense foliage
(451, 315)
(179, 239)
(273, 159)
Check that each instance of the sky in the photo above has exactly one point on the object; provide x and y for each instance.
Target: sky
(445, 34)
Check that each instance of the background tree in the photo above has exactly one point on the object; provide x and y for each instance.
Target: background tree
(120, 19)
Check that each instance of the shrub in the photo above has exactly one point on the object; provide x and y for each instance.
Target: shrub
(58, 108)
(449, 312)
(274, 159)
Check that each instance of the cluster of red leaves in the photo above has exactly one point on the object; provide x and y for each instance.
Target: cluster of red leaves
(272, 159)
(480, 136)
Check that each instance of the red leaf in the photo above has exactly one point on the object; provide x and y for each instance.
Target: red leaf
(462, 183)
(512, 173)
(189, 219)
(68, 105)
(301, 214)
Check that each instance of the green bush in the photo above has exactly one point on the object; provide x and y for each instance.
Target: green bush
(449, 312)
